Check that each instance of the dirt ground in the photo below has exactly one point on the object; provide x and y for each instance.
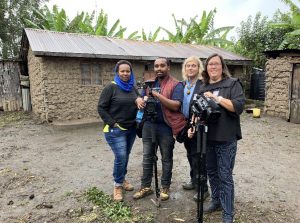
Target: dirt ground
(45, 169)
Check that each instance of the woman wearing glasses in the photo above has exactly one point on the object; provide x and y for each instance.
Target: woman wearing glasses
(223, 134)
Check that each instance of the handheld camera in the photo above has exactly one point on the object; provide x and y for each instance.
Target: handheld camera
(149, 109)
(205, 108)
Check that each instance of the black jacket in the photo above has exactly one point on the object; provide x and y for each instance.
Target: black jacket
(227, 128)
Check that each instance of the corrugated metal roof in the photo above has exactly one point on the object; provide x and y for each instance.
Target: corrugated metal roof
(50, 43)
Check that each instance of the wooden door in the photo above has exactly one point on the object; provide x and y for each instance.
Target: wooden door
(295, 96)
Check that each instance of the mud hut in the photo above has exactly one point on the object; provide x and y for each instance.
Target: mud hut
(67, 71)
(282, 89)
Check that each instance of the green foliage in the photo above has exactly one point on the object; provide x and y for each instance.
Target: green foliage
(291, 23)
(199, 32)
(12, 16)
(150, 37)
(253, 35)
(181, 32)
(256, 35)
(51, 20)
(57, 20)
(115, 211)
(260, 34)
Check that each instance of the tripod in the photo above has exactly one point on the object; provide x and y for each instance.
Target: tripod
(152, 118)
(201, 129)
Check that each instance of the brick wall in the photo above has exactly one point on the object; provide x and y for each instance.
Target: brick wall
(278, 79)
(37, 91)
(57, 91)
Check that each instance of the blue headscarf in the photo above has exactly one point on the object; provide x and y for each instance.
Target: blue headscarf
(125, 86)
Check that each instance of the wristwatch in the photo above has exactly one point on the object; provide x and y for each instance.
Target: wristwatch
(219, 99)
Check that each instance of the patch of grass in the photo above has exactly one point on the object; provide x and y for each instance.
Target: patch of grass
(7, 118)
(114, 211)
(111, 211)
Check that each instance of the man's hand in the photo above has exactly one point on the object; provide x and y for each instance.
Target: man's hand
(191, 132)
(140, 103)
(156, 94)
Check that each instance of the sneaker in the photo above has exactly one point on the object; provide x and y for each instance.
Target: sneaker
(212, 207)
(164, 193)
(205, 195)
(143, 192)
(127, 186)
(118, 193)
(188, 186)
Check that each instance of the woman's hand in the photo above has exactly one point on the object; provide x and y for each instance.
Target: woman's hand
(210, 95)
(224, 102)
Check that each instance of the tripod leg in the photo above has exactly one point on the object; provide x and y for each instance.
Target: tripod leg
(157, 190)
(201, 153)
(155, 158)
(199, 186)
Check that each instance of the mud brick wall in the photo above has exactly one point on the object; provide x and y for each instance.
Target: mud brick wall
(57, 91)
(37, 91)
(278, 79)
(56, 88)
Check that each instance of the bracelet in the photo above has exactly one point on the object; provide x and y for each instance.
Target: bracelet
(219, 99)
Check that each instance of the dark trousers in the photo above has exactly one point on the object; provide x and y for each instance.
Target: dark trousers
(193, 158)
(220, 160)
(165, 142)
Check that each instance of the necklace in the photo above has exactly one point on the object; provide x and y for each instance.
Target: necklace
(189, 86)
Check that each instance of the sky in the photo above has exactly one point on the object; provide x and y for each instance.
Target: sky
(138, 14)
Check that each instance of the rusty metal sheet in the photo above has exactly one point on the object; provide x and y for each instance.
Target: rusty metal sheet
(50, 43)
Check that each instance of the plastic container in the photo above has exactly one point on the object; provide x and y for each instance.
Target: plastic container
(139, 115)
(256, 112)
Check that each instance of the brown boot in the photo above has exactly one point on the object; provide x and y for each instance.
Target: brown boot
(127, 186)
(143, 192)
(164, 193)
(118, 193)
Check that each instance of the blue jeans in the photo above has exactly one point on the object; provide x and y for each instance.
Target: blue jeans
(220, 158)
(121, 142)
(165, 142)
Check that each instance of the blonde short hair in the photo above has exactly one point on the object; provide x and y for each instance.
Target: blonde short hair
(192, 59)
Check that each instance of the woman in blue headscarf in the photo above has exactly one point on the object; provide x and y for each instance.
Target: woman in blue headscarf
(118, 104)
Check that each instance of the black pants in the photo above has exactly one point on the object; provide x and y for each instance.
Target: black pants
(193, 158)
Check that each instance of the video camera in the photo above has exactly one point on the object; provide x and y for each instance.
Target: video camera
(205, 109)
(149, 109)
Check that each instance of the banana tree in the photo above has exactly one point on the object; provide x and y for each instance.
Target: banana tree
(292, 38)
(150, 37)
(201, 32)
(204, 32)
(56, 20)
(184, 31)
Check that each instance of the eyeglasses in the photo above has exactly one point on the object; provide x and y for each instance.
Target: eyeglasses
(214, 64)
(191, 65)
